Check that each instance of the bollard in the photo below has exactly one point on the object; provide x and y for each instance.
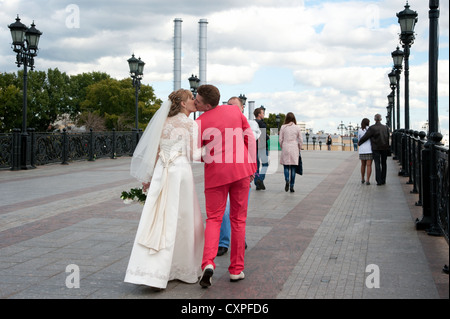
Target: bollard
(425, 222)
(410, 156)
(434, 229)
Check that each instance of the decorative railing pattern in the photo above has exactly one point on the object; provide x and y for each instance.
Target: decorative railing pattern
(65, 147)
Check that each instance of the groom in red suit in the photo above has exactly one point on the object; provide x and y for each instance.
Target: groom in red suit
(228, 153)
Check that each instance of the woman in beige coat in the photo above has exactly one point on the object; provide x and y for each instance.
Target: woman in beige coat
(291, 143)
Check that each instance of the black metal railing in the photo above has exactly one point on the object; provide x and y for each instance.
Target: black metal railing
(425, 162)
(64, 147)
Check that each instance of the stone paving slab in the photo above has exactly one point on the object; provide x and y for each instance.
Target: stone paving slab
(313, 244)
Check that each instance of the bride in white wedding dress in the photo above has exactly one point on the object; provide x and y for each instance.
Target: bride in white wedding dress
(170, 235)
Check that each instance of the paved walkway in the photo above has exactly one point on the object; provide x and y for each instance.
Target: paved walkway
(330, 239)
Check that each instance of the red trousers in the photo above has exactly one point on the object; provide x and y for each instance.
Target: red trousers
(215, 202)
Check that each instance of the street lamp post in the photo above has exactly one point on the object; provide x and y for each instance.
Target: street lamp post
(136, 73)
(397, 57)
(342, 128)
(391, 110)
(429, 153)
(407, 20)
(194, 83)
(243, 98)
(307, 139)
(391, 97)
(25, 44)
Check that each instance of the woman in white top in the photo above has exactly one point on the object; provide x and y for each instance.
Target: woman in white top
(365, 152)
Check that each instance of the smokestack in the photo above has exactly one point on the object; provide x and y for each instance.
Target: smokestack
(177, 55)
(202, 50)
(251, 109)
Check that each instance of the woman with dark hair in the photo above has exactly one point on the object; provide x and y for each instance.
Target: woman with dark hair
(365, 152)
(291, 143)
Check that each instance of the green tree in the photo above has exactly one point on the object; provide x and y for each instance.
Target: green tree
(271, 121)
(10, 108)
(115, 101)
(77, 89)
(90, 97)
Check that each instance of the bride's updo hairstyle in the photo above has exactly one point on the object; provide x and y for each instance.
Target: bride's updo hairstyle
(176, 98)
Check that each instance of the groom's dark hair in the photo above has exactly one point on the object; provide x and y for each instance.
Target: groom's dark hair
(210, 94)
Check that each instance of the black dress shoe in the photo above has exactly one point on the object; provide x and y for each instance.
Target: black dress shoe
(221, 251)
(286, 188)
(263, 187)
(292, 189)
(258, 185)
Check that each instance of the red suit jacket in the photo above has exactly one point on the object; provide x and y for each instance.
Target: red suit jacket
(229, 146)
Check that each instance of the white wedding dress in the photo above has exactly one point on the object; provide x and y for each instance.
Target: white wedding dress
(170, 235)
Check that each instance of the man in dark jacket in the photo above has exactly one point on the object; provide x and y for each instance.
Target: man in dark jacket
(379, 139)
(262, 145)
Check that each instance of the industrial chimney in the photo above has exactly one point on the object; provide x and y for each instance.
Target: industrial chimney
(202, 50)
(177, 55)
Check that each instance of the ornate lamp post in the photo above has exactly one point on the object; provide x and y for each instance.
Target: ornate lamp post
(25, 44)
(243, 98)
(136, 73)
(391, 110)
(397, 57)
(391, 97)
(429, 153)
(194, 83)
(407, 20)
(307, 138)
(342, 128)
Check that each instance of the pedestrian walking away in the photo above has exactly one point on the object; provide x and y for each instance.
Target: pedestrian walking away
(229, 169)
(365, 153)
(379, 140)
(291, 143)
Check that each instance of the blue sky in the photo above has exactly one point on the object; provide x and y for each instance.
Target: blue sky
(325, 61)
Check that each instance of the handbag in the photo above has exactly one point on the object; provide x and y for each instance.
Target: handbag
(299, 168)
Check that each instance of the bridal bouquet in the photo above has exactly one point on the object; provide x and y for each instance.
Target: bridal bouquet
(134, 195)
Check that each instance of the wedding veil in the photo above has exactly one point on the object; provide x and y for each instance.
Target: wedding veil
(146, 152)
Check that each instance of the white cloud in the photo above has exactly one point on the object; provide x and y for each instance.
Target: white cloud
(334, 56)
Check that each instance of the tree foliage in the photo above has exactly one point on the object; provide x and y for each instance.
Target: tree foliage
(53, 94)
